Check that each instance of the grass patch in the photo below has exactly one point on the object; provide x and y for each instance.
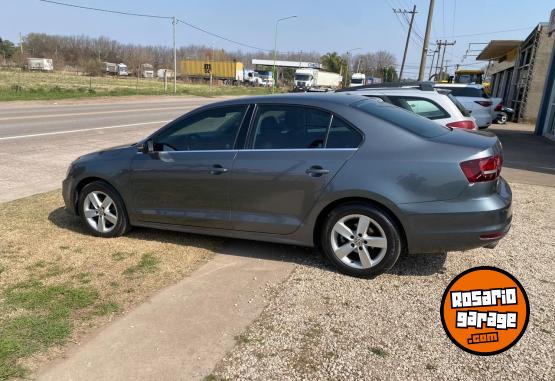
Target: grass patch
(379, 352)
(106, 308)
(147, 264)
(22, 85)
(57, 282)
(44, 320)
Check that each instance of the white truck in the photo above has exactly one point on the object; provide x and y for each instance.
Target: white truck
(42, 64)
(111, 68)
(258, 78)
(147, 70)
(316, 80)
(358, 79)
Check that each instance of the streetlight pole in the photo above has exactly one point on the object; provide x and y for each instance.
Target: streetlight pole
(349, 65)
(275, 49)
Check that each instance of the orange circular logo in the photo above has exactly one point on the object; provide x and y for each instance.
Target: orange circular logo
(485, 310)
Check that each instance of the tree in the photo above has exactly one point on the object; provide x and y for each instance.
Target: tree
(7, 49)
(333, 62)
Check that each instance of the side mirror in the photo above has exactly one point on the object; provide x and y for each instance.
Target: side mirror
(147, 146)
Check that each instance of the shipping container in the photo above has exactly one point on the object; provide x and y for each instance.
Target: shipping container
(226, 70)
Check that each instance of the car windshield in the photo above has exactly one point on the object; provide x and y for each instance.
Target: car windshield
(473, 92)
(356, 80)
(459, 105)
(302, 77)
(402, 118)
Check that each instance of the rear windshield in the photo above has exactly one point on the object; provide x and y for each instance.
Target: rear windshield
(458, 104)
(474, 92)
(405, 119)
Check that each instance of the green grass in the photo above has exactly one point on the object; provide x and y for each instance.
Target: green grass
(21, 85)
(147, 264)
(42, 319)
(106, 308)
(379, 352)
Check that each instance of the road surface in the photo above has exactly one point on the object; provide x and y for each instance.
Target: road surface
(38, 140)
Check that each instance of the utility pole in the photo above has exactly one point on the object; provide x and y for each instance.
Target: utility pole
(412, 13)
(445, 45)
(432, 63)
(426, 41)
(439, 44)
(174, 21)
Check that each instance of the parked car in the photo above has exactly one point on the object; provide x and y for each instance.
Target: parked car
(422, 99)
(475, 99)
(361, 180)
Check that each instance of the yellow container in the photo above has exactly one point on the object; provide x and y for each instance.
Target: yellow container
(218, 69)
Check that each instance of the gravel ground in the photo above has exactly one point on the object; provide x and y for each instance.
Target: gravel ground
(323, 325)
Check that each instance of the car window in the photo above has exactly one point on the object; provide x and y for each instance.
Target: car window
(342, 135)
(214, 129)
(420, 106)
(402, 118)
(474, 92)
(290, 127)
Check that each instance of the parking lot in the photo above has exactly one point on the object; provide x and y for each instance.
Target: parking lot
(288, 315)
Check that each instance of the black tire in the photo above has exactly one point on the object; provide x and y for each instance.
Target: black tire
(385, 222)
(115, 230)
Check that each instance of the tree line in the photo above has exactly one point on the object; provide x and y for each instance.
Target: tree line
(85, 54)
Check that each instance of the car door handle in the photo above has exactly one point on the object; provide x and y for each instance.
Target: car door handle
(217, 169)
(316, 171)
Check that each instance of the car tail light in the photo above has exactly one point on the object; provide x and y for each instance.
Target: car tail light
(484, 103)
(499, 107)
(480, 170)
(466, 124)
(490, 236)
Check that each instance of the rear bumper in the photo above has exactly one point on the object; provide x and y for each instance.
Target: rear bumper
(459, 224)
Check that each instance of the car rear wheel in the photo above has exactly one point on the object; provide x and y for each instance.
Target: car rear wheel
(102, 210)
(361, 240)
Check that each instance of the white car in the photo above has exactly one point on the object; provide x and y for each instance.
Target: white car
(475, 99)
(422, 99)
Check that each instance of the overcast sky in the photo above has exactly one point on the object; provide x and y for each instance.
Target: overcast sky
(322, 25)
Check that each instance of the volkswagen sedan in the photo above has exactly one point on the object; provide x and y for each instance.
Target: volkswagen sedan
(361, 180)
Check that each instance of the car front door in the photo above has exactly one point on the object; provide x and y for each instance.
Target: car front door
(185, 179)
(292, 153)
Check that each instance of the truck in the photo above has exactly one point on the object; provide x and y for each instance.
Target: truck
(307, 79)
(226, 71)
(147, 70)
(111, 68)
(164, 73)
(41, 64)
(258, 78)
(358, 79)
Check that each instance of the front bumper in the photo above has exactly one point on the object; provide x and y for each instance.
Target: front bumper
(68, 194)
(459, 224)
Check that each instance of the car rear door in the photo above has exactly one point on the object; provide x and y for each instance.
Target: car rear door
(292, 153)
(185, 180)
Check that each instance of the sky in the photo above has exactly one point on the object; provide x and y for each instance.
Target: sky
(321, 25)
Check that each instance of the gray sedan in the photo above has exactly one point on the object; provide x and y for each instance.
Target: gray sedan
(363, 181)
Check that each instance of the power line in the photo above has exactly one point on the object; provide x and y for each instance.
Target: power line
(221, 37)
(493, 32)
(157, 17)
(107, 10)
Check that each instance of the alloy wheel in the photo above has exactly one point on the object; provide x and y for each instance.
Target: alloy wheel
(358, 241)
(100, 211)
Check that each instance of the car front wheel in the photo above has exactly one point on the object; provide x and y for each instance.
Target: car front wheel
(102, 210)
(361, 240)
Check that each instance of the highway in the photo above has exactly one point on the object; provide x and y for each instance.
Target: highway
(38, 140)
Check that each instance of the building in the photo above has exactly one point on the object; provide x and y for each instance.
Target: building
(545, 124)
(518, 70)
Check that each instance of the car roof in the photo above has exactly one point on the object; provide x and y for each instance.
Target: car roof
(322, 99)
(477, 86)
